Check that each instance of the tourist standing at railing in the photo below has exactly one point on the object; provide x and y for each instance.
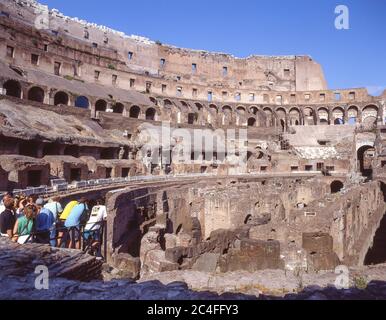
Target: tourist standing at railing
(56, 208)
(24, 227)
(92, 230)
(44, 223)
(78, 215)
(62, 232)
(7, 218)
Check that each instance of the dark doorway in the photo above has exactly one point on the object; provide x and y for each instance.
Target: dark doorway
(61, 98)
(251, 122)
(118, 108)
(51, 150)
(76, 174)
(13, 88)
(134, 112)
(36, 94)
(125, 172)
(191, 118)
(150, 114)
(29, 149)
(101, 105)
(109, 172)
(109, 154)
(71, 151)
(377, 253)
(336, 186)
(34, 178)
(365, 157)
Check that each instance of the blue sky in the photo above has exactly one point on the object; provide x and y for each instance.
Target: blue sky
(350, 58)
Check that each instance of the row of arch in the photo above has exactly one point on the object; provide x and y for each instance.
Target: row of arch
(196, 113)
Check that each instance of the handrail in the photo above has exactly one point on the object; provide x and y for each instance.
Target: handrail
(85, 244)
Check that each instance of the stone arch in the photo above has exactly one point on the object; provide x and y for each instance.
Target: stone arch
(295, 117)
(227, 115)
(36, 94)
(336, 186)
(251, 122)
(167, 103)
(324, 116)
(154, 100)
(61, 97)
(82, 102)
(135, 111)
(101, 105)
(309, 116)
(353, 115)
(269, 117)
(338, 115)
(118, 108)
(365, 155)
(13, 88)
(369, 114)
(254, 110)
(150, 114)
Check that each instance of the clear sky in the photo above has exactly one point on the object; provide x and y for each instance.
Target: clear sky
(350, 58)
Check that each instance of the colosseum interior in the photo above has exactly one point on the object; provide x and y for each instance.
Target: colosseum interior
(299, 187)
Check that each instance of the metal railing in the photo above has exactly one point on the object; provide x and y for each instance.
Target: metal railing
(92, 240)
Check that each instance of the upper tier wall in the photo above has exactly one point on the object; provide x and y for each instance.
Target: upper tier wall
(199, 68)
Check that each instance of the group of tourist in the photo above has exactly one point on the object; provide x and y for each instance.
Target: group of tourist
(32, 219)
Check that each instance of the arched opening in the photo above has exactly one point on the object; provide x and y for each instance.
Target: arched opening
(61, 98)
(118, 108)
(191, 118)
(269, 119)
(51, 149)
(109, 153)
(71, 151)
(29, 148)
(338, 122)
(36, 94)
(336, 186)
(377, 252)
(253, 110)
(294, 117)
(353, 115)
(251, 122)
(150, 114)
(101, 105)
(12, 88)
(248, 219)
(134, 112)
(338, 116)
(309, 116)
(324, 118)
(82, 102)
(365, 156)
(369, 115)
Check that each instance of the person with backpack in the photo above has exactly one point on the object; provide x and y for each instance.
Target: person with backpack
(78, 217)
(24, 226)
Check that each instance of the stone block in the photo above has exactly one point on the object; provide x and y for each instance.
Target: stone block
(317, 242)
(253, 255)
